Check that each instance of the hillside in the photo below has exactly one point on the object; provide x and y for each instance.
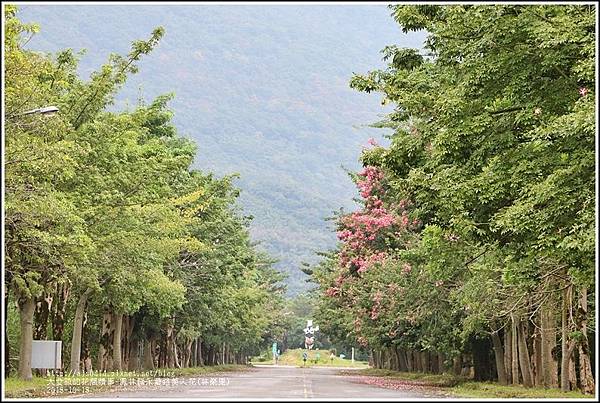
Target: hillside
(262, 90)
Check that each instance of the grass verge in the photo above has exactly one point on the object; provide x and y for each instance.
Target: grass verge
(493, 390)
(435, 380)
(15, 387)
(68, 385)
(316, 358)
(462, 387)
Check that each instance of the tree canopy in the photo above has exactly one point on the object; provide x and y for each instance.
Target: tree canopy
(111, 236)
(479, 217)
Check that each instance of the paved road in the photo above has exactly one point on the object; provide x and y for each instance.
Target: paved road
(267, 382)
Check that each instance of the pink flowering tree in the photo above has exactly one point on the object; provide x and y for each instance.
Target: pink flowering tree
(370, 239)
(368, 235)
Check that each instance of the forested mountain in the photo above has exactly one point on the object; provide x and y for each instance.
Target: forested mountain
(262, 90)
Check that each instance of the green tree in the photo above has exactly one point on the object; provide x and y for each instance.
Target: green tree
(494, 132)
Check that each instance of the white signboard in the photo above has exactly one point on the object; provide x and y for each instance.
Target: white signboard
(46, 354)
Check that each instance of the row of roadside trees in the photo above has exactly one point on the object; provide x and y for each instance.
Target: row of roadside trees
(113, 242)
(474, 247)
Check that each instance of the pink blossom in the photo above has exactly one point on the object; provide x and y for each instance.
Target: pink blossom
(344, 234)
(583, 91)
(372, 142)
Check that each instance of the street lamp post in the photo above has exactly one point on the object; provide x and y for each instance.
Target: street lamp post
(46, 111)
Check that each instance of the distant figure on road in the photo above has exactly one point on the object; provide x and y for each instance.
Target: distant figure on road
(304, 357)
(331, 357)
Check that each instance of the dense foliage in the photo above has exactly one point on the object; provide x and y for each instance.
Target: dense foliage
(114, 244)
(475, 242)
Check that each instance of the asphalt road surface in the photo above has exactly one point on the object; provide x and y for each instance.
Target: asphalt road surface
(265, 382)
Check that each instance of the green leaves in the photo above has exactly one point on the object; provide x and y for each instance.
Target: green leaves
(108, 200)
(493, 143)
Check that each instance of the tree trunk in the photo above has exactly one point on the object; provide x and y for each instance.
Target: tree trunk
(195, 353)
(524, 362)
(434, 362)
(134, 354)
(425, 361)
(514, 351)
(548, 341)
(78, 331)
(537, 358)
(188, 353)
(402, 360)
(6, 342)
(149, 354)
(385, 358)
(213, 355)
(508, 353)
(175, 356)
(416, 361)
(572, 371)
(567, 346)
(162, 349)
(125, 341)
(26, 310)
(457, 365)
(200, 357)
(105, 354)
(441, 366)
(499, 355)
(465, 366)
(40, 323)
(41, 315)
(168, 360)
(392, 358)
(117, 326)
(585, 366)
(59, 310)
(410, 363)
(134, 345)
(86, 356)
